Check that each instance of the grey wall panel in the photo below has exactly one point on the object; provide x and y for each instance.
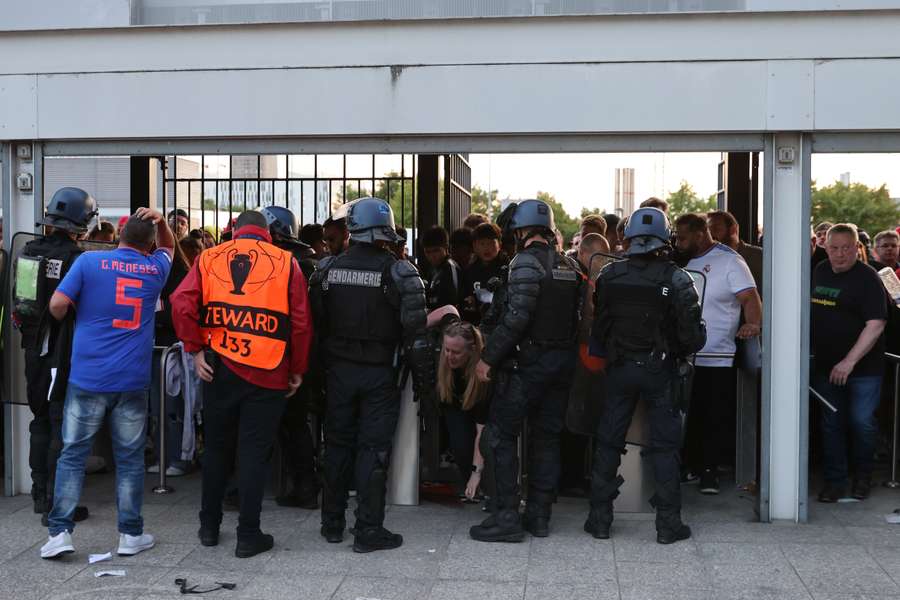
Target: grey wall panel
(472, 41)
(857, 94)
(18, 107)
(417, 101)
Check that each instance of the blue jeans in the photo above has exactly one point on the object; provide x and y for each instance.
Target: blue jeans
(82, 417)
(856, 403)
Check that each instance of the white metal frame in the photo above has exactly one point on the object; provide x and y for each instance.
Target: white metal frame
(499, 144)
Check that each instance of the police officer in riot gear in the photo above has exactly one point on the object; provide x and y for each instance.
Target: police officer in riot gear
(647, 320)
(69, 214)
(529, 355)
(367, 304)
(294, 436)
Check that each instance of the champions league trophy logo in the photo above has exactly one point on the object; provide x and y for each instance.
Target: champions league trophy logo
(240, 265)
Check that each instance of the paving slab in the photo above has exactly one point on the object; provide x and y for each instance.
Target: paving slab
(354, 588)
(579, 591)
(482, 590)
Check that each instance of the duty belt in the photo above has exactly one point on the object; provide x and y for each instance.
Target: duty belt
(642, 358)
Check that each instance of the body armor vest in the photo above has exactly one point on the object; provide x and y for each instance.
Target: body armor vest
(558, 311)
(638, 297)
(362, 324)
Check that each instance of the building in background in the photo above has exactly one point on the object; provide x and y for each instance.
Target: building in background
(623, 192)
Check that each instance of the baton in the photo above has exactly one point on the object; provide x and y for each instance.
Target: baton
(822, 399)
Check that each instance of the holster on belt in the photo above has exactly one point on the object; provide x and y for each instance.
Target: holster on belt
(682, 384)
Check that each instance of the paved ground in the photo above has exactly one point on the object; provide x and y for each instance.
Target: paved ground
(847, 552)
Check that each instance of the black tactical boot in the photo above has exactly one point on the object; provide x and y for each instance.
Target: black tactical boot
(252, 545)
(371, 539)
(536, 519)
(537, 526)
(504, 526)
(670, 528)
(862, 487)
(333, 529)
(672, 535)
(209, 536)
(599, 521)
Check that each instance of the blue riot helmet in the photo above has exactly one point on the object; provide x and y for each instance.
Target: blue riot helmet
(281, 221)
(647, 230)
(70, 209)
(370, 219)
(532, 213)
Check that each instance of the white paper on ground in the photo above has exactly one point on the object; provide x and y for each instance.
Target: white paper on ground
(115, 573)
(95, 558)
(847, 500)
(892, 518)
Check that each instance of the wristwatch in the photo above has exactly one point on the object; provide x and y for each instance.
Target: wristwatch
(477, 469)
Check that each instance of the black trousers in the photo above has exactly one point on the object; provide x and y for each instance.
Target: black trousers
(711, 419)
(626, 383)
(296, 443)
(461, 432)
(539, 391)
(45, 442)
(361, 412)
(240, 419)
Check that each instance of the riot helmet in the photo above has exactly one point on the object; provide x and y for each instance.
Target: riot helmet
(647, 230)
(528, 214)
(370, 219)
(282, 221)
(71, 209)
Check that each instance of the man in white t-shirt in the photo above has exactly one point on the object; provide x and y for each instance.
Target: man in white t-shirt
(730, 290)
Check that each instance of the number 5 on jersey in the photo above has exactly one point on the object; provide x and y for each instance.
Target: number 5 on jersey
(122, 284)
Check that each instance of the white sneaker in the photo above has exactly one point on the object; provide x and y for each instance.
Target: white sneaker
(174, 471)
(58, 545)
(129, 545)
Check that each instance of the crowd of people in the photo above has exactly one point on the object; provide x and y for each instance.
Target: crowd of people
(274, 321)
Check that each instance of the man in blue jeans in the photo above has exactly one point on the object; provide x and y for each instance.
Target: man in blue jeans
(849, 312)
(114, 295)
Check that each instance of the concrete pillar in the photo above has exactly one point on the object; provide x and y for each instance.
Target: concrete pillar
(784, 469)
(21, 209)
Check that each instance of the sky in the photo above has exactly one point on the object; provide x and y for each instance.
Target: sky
(586, 180)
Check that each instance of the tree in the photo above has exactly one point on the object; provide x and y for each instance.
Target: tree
(566, 224)
(868, 208)
(484, 203)
(400, 199)
(685, 200)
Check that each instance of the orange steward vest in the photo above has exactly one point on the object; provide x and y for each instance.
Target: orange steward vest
(245, 314)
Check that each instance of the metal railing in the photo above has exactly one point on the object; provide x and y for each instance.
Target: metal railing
(163, 487)
(892, 482)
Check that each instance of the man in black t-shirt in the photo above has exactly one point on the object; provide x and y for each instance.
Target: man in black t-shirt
(849, 312)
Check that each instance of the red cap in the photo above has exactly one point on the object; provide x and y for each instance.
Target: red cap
(122, 221)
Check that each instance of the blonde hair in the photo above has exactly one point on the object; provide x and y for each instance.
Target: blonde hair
(475, 390)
